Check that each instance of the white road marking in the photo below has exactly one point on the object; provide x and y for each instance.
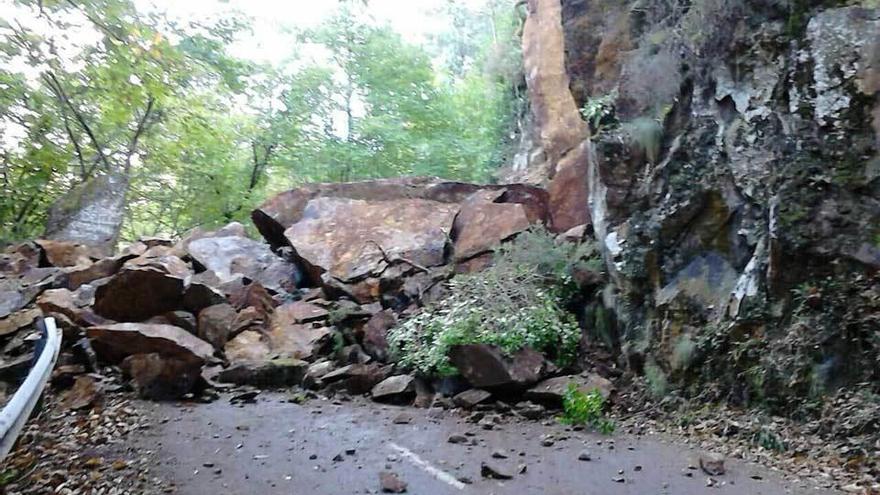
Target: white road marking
(427, 467)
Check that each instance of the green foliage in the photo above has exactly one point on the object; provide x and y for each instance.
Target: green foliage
(518, 302)
(769, 440)
(599, 109)
(580, 408)
(204, 136)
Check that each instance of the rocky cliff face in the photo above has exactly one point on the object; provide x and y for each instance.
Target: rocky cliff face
(729, 155)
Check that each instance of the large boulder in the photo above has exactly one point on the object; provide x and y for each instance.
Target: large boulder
(271, 373)
(552, 390)
(66, 254)
(139, 292)
(230, 257)
(482, 223)
(285, 210)
(116, 342)
(290, 339)
(91, 213)
(350, 239)
(486, 366)
(215, 324)
(162, 377)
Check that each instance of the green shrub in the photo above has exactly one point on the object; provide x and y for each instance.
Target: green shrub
(516, 303)
(580, 408)
(656, 377)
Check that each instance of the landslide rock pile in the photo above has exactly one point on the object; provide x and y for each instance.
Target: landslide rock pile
(311, 306)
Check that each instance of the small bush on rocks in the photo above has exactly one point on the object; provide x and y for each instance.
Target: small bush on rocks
(516, 303)
(580, 408)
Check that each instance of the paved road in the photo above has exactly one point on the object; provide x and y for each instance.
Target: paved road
(277, 447)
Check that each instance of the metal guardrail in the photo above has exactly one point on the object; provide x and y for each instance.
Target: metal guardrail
(17, 411)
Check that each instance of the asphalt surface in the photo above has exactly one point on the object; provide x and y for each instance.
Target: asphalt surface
(277, 447)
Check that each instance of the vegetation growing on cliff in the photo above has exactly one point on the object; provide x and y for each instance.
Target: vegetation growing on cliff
(520, 301)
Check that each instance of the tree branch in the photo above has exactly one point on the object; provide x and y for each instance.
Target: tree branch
(59, 90)
(70, 134)
(141, 127)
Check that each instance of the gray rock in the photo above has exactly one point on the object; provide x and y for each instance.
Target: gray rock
(470, 398)
(395, 388)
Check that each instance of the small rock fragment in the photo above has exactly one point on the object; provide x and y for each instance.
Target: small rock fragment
(390, 482)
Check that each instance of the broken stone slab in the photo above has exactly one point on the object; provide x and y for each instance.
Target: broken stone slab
(280, 212)
(552, 390)
(470, 398)
(315, 373)
(11, 301)
(395, 388)
(271, 373)
(18, 320)
(62, 254)
(55, 302)
(79, 275)
(182, 319)
(139, 292)
(486, 366)
(356, 379)
(230, 257)
(198, 296)
(482, 224)
(116, 342)
(215, 324)
(350, 239)
(86, 392)
(161, 377)
(303, 312)
(249, 345)
(294, 340)
(375, 341)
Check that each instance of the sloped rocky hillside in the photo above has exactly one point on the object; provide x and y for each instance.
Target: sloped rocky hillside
(725, 154)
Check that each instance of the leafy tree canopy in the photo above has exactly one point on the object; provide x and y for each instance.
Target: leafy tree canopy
(90, 87)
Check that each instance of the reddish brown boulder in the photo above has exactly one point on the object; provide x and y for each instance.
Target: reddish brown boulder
(115, 342)
(485, 366)
(199, 296)
(55, 302)
(553, 390)
(248, 346)
(62, 253)
(289, 339)
(569, 190)
(346, 238)
(234, 256)
(356, 379)
(86, 274)
(18, 320)
(303, 312)
(216, 324)
(482, 224)
(272, 373)
(85, 393)
(139, 292)
(160, 377)
(282, 211)
(252, 295)
(375, 342)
